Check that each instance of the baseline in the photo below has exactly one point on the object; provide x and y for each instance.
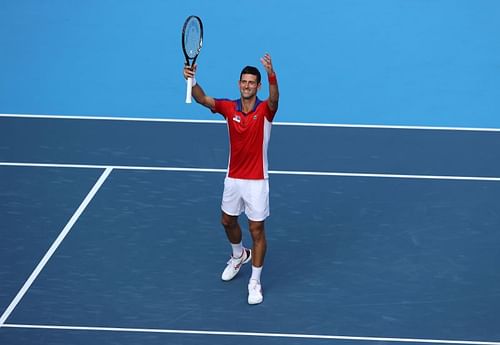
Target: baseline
(278, 123)
(255, 334)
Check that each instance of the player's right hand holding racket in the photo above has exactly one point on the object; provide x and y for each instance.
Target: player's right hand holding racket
(190, 72)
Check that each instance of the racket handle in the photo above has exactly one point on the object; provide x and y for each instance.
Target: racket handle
(189, 89)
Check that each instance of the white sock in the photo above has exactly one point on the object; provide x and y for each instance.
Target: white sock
(237, 250)
(256, 271)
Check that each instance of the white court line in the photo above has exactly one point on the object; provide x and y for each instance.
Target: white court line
(253, 334)
(116, 167)
(109, 118)
(54, 246)
(304, 124)
(199, 332)
(273, 172)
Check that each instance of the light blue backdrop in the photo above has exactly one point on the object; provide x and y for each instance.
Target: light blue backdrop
(392, 62)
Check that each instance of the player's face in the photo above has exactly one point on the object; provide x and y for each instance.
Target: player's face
(248, 86)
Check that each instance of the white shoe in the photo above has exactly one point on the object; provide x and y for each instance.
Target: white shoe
(234, 264)
(255, 292)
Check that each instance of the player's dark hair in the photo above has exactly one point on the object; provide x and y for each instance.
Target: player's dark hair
(251, 70)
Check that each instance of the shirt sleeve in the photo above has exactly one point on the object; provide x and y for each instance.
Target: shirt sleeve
(223, 107)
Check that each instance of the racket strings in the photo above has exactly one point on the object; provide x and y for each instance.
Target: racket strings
(192, 39)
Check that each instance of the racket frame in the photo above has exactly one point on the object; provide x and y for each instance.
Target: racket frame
(189, 85)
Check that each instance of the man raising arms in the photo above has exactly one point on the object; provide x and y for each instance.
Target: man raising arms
(246, 186)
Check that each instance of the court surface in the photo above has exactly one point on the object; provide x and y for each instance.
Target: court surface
(110, 234)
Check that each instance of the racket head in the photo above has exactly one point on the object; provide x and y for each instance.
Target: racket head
(192, 39)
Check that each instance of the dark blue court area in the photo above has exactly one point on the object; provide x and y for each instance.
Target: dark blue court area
(110, 234)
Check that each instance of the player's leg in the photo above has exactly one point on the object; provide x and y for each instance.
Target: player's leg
(257, 231)
(257, 210)
(256, 198)
(232, 206)
(241, 255)
(232, 228)
(255, 294)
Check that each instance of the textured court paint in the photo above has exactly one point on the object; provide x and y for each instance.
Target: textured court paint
(35, 204)
(400, 253)
(50, 252)
(271, 172)
(288, 336)
(148, 250)
(292, 148)
(414, 62)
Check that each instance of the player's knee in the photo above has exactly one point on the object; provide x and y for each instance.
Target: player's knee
(228, 222)
(256, 229)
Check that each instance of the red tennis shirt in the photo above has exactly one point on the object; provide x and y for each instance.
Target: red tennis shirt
(249, 135)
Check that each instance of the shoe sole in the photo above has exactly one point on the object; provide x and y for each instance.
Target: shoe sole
(256, 302)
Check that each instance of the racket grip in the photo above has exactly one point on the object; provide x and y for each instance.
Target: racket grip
(189, 89)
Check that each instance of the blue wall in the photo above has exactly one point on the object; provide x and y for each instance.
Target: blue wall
(392, 62)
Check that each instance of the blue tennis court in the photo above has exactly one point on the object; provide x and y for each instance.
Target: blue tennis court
(114, 237)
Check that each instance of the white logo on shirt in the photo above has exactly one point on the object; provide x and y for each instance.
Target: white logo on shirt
(237, 118)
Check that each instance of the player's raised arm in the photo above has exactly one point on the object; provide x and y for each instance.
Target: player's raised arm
(197, 92)
(274, 94)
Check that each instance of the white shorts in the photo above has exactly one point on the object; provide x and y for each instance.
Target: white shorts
(251, 196)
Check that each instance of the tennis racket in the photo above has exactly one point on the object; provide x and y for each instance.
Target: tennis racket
(192, 40)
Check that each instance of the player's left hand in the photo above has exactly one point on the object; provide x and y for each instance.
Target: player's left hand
(267, 63)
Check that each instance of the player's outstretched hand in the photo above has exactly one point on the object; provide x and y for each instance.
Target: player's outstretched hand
(267, 63)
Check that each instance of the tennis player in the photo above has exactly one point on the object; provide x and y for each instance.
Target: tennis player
(246, 186)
